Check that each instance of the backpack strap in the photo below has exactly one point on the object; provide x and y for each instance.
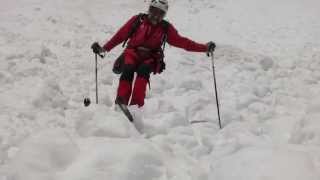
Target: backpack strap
(137, 22)
(165, 25)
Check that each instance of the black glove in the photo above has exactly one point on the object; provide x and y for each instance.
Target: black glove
(210, 47)
(162, 66)
(96, 48)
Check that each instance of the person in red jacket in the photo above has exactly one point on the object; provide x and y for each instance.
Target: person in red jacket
(143, 51)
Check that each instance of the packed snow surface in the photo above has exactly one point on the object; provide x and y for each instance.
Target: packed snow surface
(267, 64)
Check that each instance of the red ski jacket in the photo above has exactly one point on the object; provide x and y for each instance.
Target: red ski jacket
(150, 36)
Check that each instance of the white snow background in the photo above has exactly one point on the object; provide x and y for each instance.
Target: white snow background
(267, 68)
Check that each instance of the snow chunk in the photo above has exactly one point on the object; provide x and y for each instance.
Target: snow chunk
(116, 159)
(97, 121)
(45, 54)
(262, 163)
(266, 63)
(43, 155)
(50, 95)
(307, 131)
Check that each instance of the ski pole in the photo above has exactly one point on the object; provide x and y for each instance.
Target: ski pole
(215, 87)
(87, 100)
(96, 78)
(94, 47)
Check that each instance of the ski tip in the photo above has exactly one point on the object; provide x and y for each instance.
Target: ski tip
(126, 111)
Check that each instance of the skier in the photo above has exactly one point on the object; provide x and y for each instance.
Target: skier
(143, 53)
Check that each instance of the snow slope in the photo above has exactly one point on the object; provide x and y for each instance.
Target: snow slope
(267, 65)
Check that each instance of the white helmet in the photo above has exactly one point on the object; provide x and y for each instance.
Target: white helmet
(160, 4)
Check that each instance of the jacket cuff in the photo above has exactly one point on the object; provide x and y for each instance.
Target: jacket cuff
(107, 47)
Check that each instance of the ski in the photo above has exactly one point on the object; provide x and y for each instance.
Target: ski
(125, 111)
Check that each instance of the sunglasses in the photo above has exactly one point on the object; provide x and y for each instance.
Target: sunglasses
(153, 11)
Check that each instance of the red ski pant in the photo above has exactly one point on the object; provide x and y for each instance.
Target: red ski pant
(142, 66)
